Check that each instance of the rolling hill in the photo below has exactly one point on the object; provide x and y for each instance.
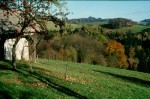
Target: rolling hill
(86, 20)
(146, 20)
(58, 79)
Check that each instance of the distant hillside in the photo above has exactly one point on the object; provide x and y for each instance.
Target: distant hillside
(89, 19)
(146, 20)
(117, 23)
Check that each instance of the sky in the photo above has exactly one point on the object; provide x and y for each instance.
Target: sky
(134, 10)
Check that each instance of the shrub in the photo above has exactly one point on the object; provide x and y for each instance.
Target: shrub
(88, 50)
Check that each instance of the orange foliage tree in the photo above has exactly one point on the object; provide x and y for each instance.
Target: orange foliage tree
(117, 49)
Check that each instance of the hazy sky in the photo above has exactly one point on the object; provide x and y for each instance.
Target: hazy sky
(135, 10)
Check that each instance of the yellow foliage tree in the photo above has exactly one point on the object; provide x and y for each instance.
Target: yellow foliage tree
(117, 49)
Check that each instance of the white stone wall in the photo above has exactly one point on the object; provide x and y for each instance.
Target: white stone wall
(22, 49)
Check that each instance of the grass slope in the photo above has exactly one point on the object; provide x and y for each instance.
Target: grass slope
(135, 28)
(61, 80)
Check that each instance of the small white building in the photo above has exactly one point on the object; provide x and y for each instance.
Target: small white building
(22, 49)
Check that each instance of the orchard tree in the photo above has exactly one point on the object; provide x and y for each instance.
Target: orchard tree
(30, 16)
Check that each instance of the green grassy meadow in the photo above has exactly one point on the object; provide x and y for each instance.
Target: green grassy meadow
(66, 80)
(135, 28)
(51, 26)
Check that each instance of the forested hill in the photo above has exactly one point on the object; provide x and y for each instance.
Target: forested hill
(146, 20)
(89, 19)
(93, 19)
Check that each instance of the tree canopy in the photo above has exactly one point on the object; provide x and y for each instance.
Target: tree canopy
(21, 18)
(32, 14)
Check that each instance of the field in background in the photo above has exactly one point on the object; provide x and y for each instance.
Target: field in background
(51, 26)
(135, 28)
(58, 79)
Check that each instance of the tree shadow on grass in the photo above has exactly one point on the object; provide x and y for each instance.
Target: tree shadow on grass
(5, 65)
(127, 78)
(49, 80)
(59, 87)
(5, 95)
(26, 95)
(25, 71)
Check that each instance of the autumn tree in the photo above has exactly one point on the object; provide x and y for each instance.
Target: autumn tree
(133, 61)
(117, 49)
(31, 16)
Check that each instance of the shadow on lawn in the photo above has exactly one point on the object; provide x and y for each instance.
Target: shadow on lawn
(127, 78)
(5, 95)
(24, 69)
(5, 65)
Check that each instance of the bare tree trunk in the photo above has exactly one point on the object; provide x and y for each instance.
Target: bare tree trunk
(31, 69)
(35, 43)
(34, 53)
(14, 53)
